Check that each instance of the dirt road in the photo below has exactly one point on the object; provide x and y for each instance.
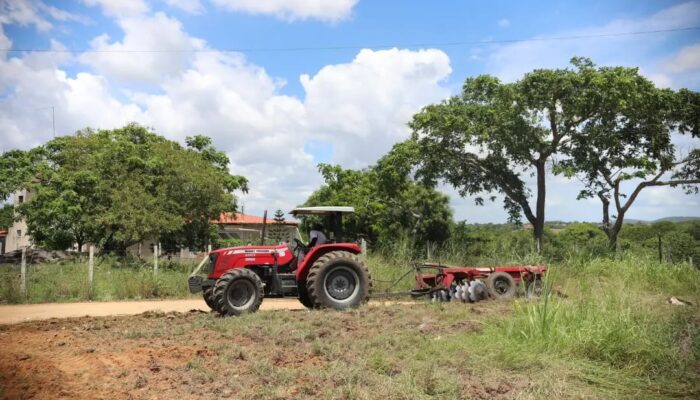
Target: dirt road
(12, 314)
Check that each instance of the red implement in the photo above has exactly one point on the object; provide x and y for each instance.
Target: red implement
(501, 281)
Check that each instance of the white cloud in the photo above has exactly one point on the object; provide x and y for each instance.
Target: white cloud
(511, 61)
(194, 7)
(363, 106)
(660, 79)
(25, 114)
(264, 132)
(34, 12)
(687, 59)
(504, 23)
(157, 32)
(120, 8)
(291, 10)
(22, 13)
(62, 15)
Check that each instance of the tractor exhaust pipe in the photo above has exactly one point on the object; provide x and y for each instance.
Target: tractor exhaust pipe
(262, 235)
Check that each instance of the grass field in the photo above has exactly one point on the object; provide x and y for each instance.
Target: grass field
(114, 279)
(612, 336)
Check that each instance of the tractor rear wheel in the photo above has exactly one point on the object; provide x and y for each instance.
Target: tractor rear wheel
(237, 292)
(501, 285)
(304, 296)
(208, 295)
(339, 280)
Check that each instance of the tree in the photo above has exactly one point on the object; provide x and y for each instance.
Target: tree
(16, 167)
(627, 146)
(7, 216)
(496, 134)
(388, 203)
(277, 230)
(119, 187)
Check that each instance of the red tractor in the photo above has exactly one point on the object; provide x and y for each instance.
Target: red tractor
(329, 275)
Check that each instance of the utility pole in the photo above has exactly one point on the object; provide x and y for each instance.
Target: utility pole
(262, 235)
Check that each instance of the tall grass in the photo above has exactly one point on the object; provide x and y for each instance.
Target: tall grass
(114, 279)
(615, 318)
(604, 317)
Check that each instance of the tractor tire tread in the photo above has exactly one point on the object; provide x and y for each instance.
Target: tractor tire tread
(208, 295)
(490, 285)
(316, 269)
(225, 280)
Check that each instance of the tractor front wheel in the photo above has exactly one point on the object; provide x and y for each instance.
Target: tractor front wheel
(208, 295)
(339, 280)
(237, 292)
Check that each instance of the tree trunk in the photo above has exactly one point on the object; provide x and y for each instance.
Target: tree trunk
(606, 214)
(538, 224)
(614, 230)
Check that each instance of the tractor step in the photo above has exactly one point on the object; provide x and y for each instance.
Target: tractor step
(288, 283)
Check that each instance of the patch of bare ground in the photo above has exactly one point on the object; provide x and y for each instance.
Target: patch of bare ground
(396, 351)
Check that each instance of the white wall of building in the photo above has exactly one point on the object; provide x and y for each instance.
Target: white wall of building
(17, 236)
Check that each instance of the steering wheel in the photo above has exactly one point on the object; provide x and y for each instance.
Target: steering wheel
(300, 244)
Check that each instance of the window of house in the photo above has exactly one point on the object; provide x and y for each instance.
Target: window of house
(19, 233)
(21, 199)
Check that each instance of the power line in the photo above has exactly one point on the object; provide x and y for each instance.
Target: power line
(354, 47)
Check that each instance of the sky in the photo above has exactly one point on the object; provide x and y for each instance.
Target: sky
(282, 85)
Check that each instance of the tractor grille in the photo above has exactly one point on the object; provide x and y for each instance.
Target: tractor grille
(195, 283)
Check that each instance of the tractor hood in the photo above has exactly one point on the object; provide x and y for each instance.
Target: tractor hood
(252, 249)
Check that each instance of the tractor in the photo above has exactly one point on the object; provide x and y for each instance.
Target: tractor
(328, 275)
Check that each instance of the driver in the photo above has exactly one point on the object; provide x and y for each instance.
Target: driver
(316, 235)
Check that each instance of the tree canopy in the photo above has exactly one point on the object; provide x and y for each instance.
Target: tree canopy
(118, 187)
(7, 216)
(388, 204)
(628, 142)
(495, 136)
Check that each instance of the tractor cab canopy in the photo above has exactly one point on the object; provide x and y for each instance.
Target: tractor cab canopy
(330, 215)
(322, 210)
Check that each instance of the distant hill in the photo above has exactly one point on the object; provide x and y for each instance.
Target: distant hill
(677, 219)
(669, 219)
(561, 224)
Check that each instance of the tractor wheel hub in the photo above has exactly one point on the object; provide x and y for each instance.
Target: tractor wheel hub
(341, 283)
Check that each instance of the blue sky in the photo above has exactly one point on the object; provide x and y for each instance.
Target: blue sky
(279, 112)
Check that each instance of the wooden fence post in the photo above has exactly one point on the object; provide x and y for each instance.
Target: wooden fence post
(23, 274)
(363, 246)
(155, 258)
(208, 248)
(91, 265)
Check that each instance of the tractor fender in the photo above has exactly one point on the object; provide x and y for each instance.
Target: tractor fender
(318, 251)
